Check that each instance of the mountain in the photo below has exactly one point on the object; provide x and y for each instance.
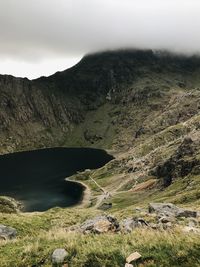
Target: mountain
(144, 108)
(107, 100)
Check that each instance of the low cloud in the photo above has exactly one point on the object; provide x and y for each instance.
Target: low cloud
(33, 30)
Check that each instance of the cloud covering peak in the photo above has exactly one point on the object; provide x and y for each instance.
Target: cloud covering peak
(33, 30)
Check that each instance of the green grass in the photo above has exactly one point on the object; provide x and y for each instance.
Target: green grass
(158, 249)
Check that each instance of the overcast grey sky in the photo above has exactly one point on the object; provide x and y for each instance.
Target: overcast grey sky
(39, 37)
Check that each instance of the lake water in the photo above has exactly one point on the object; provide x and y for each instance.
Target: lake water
(37, 178)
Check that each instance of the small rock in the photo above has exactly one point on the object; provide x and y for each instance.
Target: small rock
(105, 206)
(133, 257)
(186, 213)
(155, 226)
(193, 222)
(59, 256)
(7, 232)
(139, 209)
(128, 265)
(166, 219)
(167, 225)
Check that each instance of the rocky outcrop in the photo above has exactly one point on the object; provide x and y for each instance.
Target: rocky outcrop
(99, 225)
(35, 110)
(10, 205)
(160, 216)
(181, 163)
(170, 210)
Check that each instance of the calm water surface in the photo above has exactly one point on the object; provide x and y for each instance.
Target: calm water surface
(37, 178)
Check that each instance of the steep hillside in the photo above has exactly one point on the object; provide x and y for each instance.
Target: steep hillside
(108, 100)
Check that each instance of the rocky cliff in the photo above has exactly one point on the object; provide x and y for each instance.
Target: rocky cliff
(110, 99)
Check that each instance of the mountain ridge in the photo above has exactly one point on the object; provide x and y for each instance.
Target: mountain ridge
(53, 107)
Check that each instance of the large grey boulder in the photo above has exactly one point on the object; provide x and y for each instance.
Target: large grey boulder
(59, 256)
(129, 224)
(100, 224)
(163, 208)
(170, 210)
(7, 232)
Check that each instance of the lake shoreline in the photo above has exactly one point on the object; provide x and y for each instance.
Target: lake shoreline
(86, 197)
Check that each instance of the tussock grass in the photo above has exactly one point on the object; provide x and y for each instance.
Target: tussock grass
(159, 249)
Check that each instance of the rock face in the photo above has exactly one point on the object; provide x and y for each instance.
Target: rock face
(34, 107)
(170, 210)
(50, 110)
(181, 163)
(7, 232)
(59, 256)
(100, 224)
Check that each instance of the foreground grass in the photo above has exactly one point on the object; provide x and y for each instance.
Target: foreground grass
(34, 246)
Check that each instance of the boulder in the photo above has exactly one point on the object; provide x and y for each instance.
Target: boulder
(163, 208)
(7, 232)
(170, 210)
(100, 224)
(127, 225)
(105, 206)
(59, 256)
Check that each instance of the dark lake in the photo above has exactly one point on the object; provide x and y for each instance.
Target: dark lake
(37, 178)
